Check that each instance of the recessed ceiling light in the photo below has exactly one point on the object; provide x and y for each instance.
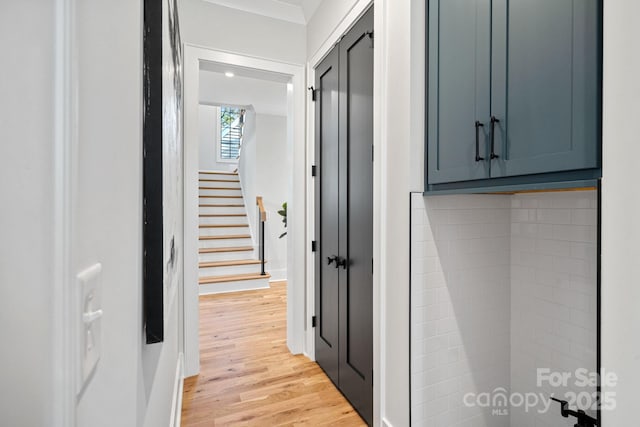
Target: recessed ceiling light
(229, 74)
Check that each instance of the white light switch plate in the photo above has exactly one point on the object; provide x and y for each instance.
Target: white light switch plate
(89, 322)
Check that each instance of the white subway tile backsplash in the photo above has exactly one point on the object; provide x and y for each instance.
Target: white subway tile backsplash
(556, 309)
(553, 216)
(583, 217)
(501, 285)
(464, 259)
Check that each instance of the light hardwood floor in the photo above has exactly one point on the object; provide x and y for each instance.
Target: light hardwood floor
(247, 375)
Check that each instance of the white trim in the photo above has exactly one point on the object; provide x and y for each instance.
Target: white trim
(178, 386)
(386, 423)
(63, 357)
(296, 235)
(278, 275)
(296, 220)
(379, 190)
(380, 142)
(341, 29)
(309, 347)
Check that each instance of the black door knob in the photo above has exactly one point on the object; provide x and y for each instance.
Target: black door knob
(341, 262)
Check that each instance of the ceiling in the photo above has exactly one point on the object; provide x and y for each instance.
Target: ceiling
(246, 89)
(297, 11)
(252, 73)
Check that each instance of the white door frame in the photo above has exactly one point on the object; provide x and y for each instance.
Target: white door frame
(296, 254)
(379, 192)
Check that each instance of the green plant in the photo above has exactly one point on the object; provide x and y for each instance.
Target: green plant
(283, 213)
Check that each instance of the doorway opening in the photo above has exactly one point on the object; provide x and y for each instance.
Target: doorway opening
(244, 171)
(290, 78)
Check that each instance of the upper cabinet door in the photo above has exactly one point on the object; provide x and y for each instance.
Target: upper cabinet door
(459, 58)
(545, 86)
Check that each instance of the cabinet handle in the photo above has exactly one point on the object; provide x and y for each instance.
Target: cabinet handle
(332, 258)
(493, 137)
(478, 126)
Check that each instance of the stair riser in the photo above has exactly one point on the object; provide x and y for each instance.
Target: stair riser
(226, 256)
(227, 180)
(225, 192)
(217, 176)
(224, 243)
(217, 220)
(225, 184)
(221, 211)
(227, 270)
(222, 231)
(220, 201)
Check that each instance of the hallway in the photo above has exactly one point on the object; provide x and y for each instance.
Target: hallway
(247, 375)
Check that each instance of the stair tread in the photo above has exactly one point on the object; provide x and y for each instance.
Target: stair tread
(229, 263)
(219, 188)
(220, 215)
(223, 225)
(225, 249)
(218, 180)
(226, 237)
(232, 278)
(217, 173)
(221, 206)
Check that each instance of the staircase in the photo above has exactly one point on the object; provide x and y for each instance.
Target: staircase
(227, 259)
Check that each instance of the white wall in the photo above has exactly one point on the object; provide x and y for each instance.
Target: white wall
(247, 166)
(460, 295)
(265, 167)
(395, 157)
(324, 21)
(272, 175)
(621, 209)
(133, 382)
(26, 217)
(218, 27)
(209, 123)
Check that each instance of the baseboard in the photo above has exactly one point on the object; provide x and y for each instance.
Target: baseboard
(279, 275)
(239, 286)
(176, 405)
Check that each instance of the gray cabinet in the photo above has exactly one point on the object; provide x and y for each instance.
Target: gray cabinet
(514, 90)
(459, 88)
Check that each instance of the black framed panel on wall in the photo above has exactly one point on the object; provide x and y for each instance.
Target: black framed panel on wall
(162, 163)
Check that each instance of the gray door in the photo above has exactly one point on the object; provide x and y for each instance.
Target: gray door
(327, 232)
(356, 216)
(459, 52)
(545, 91)
(344, 216)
